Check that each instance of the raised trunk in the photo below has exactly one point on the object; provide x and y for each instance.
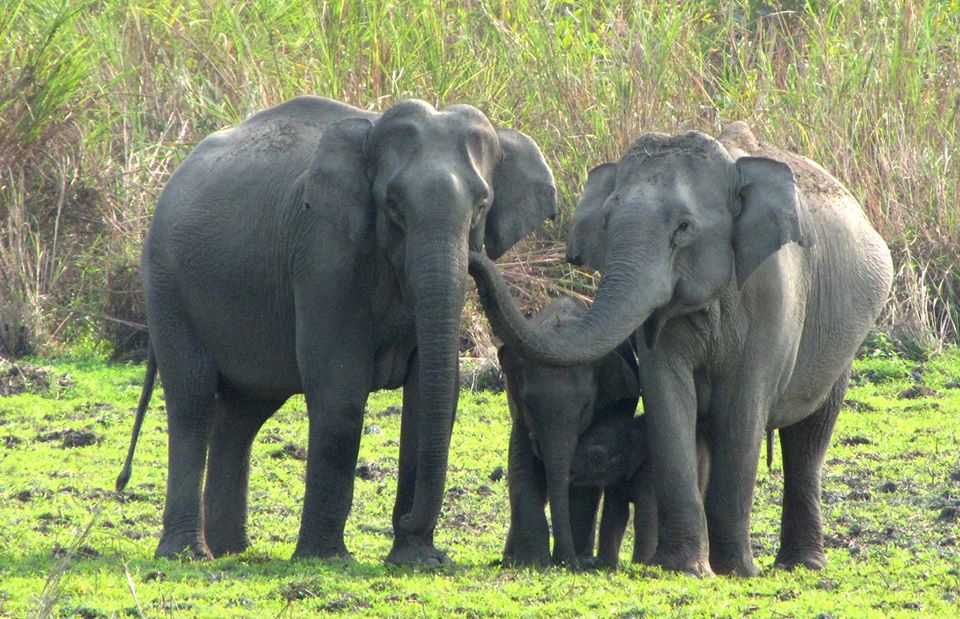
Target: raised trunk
(633, 286)
(437, 279)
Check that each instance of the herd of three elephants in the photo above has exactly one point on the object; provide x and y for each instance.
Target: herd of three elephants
(317, 248)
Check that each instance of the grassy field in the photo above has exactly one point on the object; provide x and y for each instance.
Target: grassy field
(70, 545)
(100, 99)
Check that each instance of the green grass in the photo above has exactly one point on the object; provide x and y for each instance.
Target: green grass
(103, 98)
(891, 477)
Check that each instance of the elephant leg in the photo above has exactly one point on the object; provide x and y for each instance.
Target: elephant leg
(644, 518)
(613, 524)
(235, 425)
(583, 518)
(733, 475)
(804, 446)
(409, 549)
(670, 402)
(190, 383)
(335, 413)
(528, 540)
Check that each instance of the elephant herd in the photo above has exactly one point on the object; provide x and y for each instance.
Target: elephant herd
(317, 248)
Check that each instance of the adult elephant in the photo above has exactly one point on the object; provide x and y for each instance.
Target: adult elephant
(320, 249)
(754, 276)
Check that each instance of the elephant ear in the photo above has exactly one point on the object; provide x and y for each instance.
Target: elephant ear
(587, 242)
(523, 194)
(618, 375)
(337, 186)
(771, 213)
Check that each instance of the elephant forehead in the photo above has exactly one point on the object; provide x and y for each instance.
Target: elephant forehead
(675, 179)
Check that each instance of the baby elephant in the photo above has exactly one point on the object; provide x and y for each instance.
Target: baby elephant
(612, 455)
(551, 408)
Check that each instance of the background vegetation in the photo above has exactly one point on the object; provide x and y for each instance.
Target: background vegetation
(100, 100)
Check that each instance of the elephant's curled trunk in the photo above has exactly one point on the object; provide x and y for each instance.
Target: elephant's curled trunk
(625, 299)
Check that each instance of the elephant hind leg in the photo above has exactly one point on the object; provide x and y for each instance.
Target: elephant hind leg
(804, 446)
(190, 383)
(235, 425)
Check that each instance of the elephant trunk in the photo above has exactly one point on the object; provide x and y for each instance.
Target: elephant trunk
(634, 285)
(437, 275)
(557, 452)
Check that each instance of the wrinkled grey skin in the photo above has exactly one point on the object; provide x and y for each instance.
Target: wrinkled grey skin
(755, 276)
(321, 249)
(551, 407)
(612, 455)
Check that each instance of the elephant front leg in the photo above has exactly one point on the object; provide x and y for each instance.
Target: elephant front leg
(613, 524)
(738, 432)
(528, 540)
(670, 403)
(336, 421)
(228, 471)
(410, 549)
(583, 519)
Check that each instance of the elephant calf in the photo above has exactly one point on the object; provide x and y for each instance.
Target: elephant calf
(612, 455)
(551, 407)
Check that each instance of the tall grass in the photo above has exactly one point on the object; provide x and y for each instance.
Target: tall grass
(104, 98)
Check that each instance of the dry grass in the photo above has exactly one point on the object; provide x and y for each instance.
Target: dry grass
(103, 99)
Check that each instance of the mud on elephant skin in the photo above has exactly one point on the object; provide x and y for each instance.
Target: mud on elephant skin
(551, 407)
(752, 276)
(321, 249)
(612, 455)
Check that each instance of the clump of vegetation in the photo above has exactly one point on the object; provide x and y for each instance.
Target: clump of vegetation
(101, 100)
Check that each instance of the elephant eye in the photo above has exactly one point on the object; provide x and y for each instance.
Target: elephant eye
(682, 228)
(393, 209)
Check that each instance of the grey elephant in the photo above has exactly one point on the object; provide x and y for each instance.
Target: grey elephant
(551, 407)
(753, 276)
(612, 455)
(317, 248)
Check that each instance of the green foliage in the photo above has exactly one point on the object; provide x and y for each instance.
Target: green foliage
(107, 97)
(890, 485)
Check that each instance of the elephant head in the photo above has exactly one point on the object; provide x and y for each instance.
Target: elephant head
(557, 405)
(609, 452)
(681, 218)
(421, 187)
(587, 240)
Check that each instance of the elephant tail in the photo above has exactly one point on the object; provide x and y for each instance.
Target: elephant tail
(145, 393)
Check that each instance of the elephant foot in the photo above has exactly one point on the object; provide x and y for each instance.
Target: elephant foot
(675, 562)
(222, 544)
(792, 559)
(321, 551)
(415, 552)
(735, 566)
(187, 547)
(521, 560)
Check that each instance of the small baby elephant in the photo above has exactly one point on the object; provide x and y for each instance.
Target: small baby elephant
(551, 408)
(612, 454)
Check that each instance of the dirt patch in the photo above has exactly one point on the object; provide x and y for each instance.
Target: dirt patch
(372, 471)
(84, 552)
(855, 440)
(857, 405)
(70, 438)
(918, 391)
(290, 450)
(18, 378)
